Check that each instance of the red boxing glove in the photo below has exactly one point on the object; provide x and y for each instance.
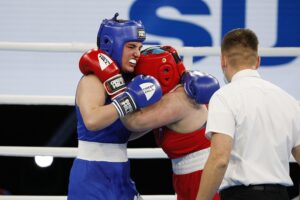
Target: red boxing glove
(97, 62)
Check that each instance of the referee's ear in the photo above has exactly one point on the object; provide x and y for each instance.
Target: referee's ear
(258, 62)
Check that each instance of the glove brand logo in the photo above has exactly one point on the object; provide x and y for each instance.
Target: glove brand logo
(148, 89)
(104, 60)
(115, 84)
(127, 105)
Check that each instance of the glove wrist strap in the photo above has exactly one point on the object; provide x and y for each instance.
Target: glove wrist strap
(124, 104)
(114, 84)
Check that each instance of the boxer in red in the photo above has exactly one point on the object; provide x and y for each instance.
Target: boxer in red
(179, 121)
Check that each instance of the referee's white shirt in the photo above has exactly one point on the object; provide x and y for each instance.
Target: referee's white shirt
(264, 122)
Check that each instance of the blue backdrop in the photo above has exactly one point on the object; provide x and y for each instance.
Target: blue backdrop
(174, 22)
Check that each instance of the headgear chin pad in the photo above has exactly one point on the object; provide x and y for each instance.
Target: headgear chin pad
(114, 33)
(163, 63)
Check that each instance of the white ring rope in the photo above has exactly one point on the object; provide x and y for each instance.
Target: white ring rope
(187, 51)
(21, 197)
(71, 152)
(39, 100)
(45, 46)
(145, 197)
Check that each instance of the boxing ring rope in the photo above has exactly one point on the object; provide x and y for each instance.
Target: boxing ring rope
(37, 100)
(187, 52)
(70, 152)
(25, 197)
(64, 152)
(81, 47)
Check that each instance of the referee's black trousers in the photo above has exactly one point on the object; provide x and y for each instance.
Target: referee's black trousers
(255, 192)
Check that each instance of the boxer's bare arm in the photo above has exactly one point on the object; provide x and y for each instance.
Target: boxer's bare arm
(172, 108)
(90, 98)
(296, 153)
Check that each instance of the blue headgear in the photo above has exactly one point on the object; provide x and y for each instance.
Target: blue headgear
(113, 34)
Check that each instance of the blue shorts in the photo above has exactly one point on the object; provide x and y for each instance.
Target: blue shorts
(99, 180)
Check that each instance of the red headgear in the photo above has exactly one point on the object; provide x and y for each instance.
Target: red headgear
(163, 63)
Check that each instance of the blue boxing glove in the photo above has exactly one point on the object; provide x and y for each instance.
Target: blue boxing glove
(142, 91)
(199, 86)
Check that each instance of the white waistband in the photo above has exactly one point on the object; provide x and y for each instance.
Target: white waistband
(95, 151)
(191, 162)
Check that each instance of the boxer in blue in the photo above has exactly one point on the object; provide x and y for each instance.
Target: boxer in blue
(106, 93)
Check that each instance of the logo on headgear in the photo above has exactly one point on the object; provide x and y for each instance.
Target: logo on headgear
(141, 33)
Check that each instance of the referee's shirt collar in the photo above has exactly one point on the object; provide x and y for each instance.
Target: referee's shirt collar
(245, 73)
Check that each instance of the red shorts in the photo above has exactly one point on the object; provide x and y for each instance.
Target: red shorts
(186, 185)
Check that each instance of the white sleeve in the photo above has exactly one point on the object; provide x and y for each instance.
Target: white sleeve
(220, 117)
